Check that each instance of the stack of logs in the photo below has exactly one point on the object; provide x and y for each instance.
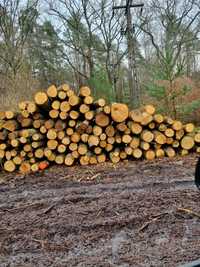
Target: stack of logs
(63, 127)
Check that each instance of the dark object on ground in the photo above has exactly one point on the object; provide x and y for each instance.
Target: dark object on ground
(197, 174)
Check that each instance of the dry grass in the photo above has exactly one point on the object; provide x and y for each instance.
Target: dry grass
(12, 91)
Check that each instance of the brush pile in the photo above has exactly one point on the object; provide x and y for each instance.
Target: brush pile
(63, 127)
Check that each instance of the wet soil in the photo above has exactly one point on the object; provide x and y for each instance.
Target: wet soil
(133, 214)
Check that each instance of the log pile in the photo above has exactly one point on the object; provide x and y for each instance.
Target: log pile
(62, 127)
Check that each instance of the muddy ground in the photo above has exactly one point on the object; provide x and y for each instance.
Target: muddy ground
(129, 215)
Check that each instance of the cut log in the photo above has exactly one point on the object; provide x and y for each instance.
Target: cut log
(150, 155)
(65, 106)
(84, 160)
(56, 104)
(122, 127)
(126, 138)
(9, 166)
(52, 144)
(89, 115)
(110, 131)
(93, 140)
(137, 153)
(82, 149)
(119, 112)
(25, 167)
(97, 130)
(85, 91)
(107, 109)
(189, 127)
(75, 137)
(84, 137)
(147, 136)
(102, 119)
(84, 108)
(52, 91)
(41, 98)
(62, 95)
(170, 152)
(187, 142)
(128, 150)
(144, 145)
(100, 102)
(60, 159)
(74, 114)
(101, 158)
(146, 118)
(197, 138)
(69, 131)
(159, 137)
(73, 146)
(177, 125)
(53, 113)
(169, 132)
(52, 134)
(97, 150)
(150, 109)
(136, 115)
(88, 100)
(136, 128)
(66, 140)
(158, 118)
(135, 142)
(179, 134)
(63, 115)
(74, 100)
(160, 153)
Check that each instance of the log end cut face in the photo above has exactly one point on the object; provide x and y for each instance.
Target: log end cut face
(119, 112)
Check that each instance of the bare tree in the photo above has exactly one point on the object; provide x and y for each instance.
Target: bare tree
(168, 25)
(16, 23)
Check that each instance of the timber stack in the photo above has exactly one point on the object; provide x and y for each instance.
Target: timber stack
(63, 127)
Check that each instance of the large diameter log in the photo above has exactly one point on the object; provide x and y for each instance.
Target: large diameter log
(119, 112)
(9, 166)
(102, 119)
(85, 91)
(52, 91)
(187, 142)
(41, 98)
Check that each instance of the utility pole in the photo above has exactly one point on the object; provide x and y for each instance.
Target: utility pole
(132, 70)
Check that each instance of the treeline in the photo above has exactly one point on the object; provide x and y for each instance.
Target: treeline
(82, 42)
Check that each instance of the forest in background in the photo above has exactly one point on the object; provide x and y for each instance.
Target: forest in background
(83, 42)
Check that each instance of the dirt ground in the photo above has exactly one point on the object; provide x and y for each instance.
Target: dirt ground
(133, 214)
